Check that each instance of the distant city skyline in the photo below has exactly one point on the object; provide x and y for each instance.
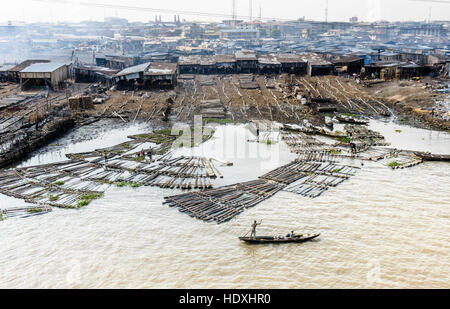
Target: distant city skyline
(338, 10)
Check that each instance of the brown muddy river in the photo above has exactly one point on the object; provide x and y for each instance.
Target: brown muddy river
(382, 228)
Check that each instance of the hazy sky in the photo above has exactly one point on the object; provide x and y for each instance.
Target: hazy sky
(339, 10)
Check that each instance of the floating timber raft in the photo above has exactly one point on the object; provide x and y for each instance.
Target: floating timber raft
(432, 157)
(74, 183)
(223, 203)
(23, 212)
(310, 176)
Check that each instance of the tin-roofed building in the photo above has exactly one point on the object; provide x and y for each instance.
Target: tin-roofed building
(51, 74)
(246, 61)
(207, 65)
(268, 64)
(225, 64)
(93, 74)
(148, 75)
(13, 73)
(292, 63)
(161, 75)
(4, 71)
(189, 64)
(348, 64)
(132, 76)
(239, 34)
(317, 65)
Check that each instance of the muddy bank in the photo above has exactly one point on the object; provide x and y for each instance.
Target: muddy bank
(31, 139)
(417, 104)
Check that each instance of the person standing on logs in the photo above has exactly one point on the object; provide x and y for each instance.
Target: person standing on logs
(150, 153)
(254, 225)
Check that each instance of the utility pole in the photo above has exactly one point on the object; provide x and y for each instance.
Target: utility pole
(233, 13)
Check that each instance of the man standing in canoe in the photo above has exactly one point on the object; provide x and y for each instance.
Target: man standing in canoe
(254, 225)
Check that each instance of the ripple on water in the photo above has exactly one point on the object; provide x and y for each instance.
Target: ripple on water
(381, 228)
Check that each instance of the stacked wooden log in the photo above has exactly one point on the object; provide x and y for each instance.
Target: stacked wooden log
(223, 203)
(81, 103)
(212, 108)
(247, 81)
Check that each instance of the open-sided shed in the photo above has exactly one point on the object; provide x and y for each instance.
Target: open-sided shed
(51, 74)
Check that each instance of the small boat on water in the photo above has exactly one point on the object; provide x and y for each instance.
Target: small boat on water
(427, 156)
(278, 239)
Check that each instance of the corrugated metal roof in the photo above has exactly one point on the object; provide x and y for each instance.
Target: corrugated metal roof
(162, 68)
(134, 69)
(268, 59)
(6, 67)
(224, 58)
(43, 67)
(27, 63)
(245, 55)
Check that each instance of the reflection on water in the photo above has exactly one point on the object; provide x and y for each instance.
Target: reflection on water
(381, 228)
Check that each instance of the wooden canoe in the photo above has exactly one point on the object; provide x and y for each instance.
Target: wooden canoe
(280, 239)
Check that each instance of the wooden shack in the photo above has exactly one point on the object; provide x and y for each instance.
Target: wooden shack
(13, 73)
(317, 65)
(207, 65)
(189, 64)
(268, 64)
(94, 74)
(161, 75)
(349, 64)
(225, 64)
(51, 74)
(246, 61)
(292, 63)
(132, 76)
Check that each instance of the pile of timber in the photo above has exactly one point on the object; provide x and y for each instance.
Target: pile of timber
(427, 156)
(326, 109)
(403, 159)
(212, 108)
(270, 83)
(365, 135)
(247, 81)
(350, 119)
(43, 185)
(15, 145)
(85, 176)
(206, 80)
(81, 103)
(322, 100)
(299, 142)
(310, 175)
(14, 100)
(316, 177)
(222, 204)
